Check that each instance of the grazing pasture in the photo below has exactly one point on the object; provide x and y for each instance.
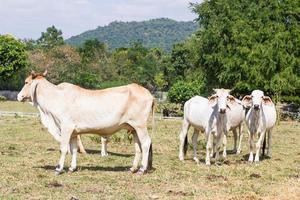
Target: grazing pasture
(28, 156)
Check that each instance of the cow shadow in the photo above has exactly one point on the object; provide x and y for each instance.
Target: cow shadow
(245, 157)
(91, 168)
(231, 152)
(93, 151)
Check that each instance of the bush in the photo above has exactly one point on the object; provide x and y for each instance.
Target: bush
(2, 98)
(182, 91)
(169, 109)
(290, 99)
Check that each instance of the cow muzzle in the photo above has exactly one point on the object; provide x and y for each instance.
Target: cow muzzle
(256, 107)
(21, 98)
(222, 110)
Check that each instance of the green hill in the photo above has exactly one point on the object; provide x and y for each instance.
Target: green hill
(162, 33)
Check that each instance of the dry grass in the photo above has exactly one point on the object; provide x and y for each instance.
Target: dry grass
(28, 155)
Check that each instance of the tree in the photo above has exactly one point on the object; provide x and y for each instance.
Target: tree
(92, 50)
(12, 56)
(182, 91)
(51, 38)
(247, 45)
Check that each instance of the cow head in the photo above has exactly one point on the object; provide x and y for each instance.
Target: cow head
(256, 99)
(29, 87)
(222, 98)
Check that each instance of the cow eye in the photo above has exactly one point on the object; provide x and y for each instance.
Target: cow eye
(26, 82)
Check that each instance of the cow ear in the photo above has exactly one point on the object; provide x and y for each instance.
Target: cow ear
(212, 100)
(267, 100)
(231, 98)
(45, 73)
(246, 101)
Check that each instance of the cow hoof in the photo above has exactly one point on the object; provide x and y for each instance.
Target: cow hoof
(133, 170)
(71, 170)
(57, 172)
(196, 160)
(238, 152)
(104, 154)
(207, 163)
(181, 158)
(141, 171)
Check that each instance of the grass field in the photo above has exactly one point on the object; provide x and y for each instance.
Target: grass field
(28, 155)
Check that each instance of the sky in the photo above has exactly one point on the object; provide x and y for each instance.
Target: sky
(28, 18)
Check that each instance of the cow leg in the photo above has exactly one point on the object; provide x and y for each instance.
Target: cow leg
(269, 143)
(138, 154)
(258, 145)
(104, 141)
(220, 140)
(73, 148)
(224, 145)
(209, 144)
(64, 147)
(80, 145)
(240, 139)
(251, 136)
(146, 146)
(183, 139)
(194, 139)
(235, 138)
(213, 149)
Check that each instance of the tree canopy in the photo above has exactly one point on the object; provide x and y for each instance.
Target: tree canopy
(51, 38)
(248, 45)
(12, 56)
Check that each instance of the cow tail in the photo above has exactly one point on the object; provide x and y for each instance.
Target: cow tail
(153, 122)
(185, 146)
(150, 157)
(264, 144)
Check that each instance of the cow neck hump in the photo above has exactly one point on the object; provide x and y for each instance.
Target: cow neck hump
(46, 94)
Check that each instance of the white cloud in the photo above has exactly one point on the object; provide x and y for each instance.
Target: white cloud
(28, 18)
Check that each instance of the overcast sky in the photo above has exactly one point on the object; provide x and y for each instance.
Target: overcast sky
(28, 18)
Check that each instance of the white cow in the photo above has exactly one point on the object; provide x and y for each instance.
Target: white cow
(69, 112)
(236, 116)
(209, 116)
(260, 119)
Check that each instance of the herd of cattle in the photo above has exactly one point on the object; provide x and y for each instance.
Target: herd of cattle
(68, 111)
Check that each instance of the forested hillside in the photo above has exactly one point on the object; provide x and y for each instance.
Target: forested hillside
(161, 33)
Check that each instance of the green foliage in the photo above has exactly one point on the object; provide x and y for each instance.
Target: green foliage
(51, 38)
(12, 56)
(2, 98)
(161, 33)
(290, 99)
(182, 91)
(168, 109)
(248, 45)
(92, 50)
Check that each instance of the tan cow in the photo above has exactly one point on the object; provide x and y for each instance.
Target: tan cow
(69, 112)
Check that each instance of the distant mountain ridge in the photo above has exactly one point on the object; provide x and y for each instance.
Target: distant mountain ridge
(162, 33)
